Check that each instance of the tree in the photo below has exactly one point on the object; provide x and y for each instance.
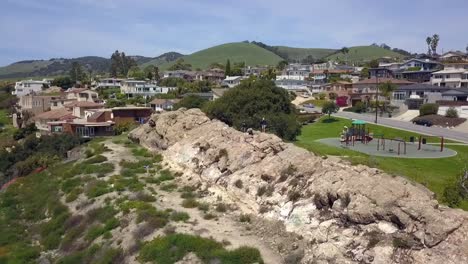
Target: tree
(387, 88)
(329, 108)
(121, 64)
(180, 65)
(428, 42)
(365, 73)
(191, 101)
(227, 70)
(435, 43)
(64, 82)
(77, 75)
(253, 100)
(269, 74)
(150, 72)
(136, 73)
(281, 65)
(345, 51)
(374, 64)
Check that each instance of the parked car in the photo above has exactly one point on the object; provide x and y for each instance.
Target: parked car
(423, 122)
(309, 105)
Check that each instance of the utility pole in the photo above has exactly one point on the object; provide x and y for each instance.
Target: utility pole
(376, 95)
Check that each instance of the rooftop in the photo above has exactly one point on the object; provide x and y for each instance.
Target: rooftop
(61, 113)
(84, 104)
(383, 80)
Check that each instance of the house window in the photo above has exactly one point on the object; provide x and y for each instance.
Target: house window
(57, 129)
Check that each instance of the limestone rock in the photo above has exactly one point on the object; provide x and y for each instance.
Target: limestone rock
(350, 214)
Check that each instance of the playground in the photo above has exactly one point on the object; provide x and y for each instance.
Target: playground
(359, 137)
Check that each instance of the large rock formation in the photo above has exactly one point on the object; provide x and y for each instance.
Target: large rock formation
(347, 214)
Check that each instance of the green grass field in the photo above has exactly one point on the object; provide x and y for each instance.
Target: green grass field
(364, 53)
(299, 54)
(6, 128)
(249, 53)
(435, 174)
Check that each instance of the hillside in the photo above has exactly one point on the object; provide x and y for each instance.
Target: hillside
(364, 53)
(22, 68)
(249, 53)
(298, 54)
(162, 59)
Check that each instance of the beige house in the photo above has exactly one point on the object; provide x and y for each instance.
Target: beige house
(81, 95)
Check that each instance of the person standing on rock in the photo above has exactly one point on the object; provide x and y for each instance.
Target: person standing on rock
(263, 124)
(244, 127)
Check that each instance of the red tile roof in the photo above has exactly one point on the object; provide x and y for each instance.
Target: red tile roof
(59, 114)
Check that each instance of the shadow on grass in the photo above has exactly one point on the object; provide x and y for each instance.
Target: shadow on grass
(329, 120)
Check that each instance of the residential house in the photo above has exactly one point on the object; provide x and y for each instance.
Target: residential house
(109, 83)
(30, 86)
(142, 88)
(322, 76)
(254, 71)
(366, 89)
(232, 81)
(78, 108)
(160, 105)
(214, 75)
(414, 95)
(82, 128)
(41, 120)
(295, 72)
(451, 77)
(187, 75)
(293, 84)
(340, 88)
(34, 104)
(323, 66)
(381, 73)
(454, 56)
(82, 95)
(128, 114)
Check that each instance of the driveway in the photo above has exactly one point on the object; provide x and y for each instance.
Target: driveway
(434, 131)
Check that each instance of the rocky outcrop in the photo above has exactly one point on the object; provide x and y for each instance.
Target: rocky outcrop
(346, 213)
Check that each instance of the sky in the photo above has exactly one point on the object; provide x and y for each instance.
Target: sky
(43, 29)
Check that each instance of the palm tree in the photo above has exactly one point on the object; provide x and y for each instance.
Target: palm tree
(429, 41)
(435, 43)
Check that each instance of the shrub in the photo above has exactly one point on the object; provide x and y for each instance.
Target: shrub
(204, 207)
(189, 203)
(451, 195)
(322, 96)
(97, 188)
(174, 247)
(238, 183)
(209, 216)
(221, 207)
(180, 216)
(244, 218)
(95, 159)
(428, 109)
(451, 113)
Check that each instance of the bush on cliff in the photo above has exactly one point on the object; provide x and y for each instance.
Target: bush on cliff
(253, 100)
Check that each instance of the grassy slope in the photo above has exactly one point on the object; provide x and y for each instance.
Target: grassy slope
(435, 174)
(23, 67)
(365, 53)
(236, 52)
(302, 53)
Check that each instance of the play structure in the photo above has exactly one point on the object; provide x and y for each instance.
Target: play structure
(357, 132)
(359, 138)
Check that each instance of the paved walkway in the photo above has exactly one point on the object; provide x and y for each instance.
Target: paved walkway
(434, 131)
(407, 116)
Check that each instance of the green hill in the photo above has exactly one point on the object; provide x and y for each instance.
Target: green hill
(364, 53)
(23, 68)
(298, 54)
(249, 53)
(162, 59)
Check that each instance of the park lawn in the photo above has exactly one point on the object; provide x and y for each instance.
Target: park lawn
(315, 102)
(435, 174)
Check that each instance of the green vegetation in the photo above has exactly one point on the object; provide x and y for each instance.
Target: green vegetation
(451, 112)
(301, 54)
(428, 109)
(172, 248)
(249, 53)
(246, 104)
(364, 53)
(435, 174)
(329, 108)
(191, 101)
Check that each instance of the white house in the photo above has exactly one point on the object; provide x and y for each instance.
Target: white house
(29, 86)
(450, 77)
(232, 81)
(135, 87)
(109, 83)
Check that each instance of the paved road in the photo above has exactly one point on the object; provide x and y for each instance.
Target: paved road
(434, 131)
